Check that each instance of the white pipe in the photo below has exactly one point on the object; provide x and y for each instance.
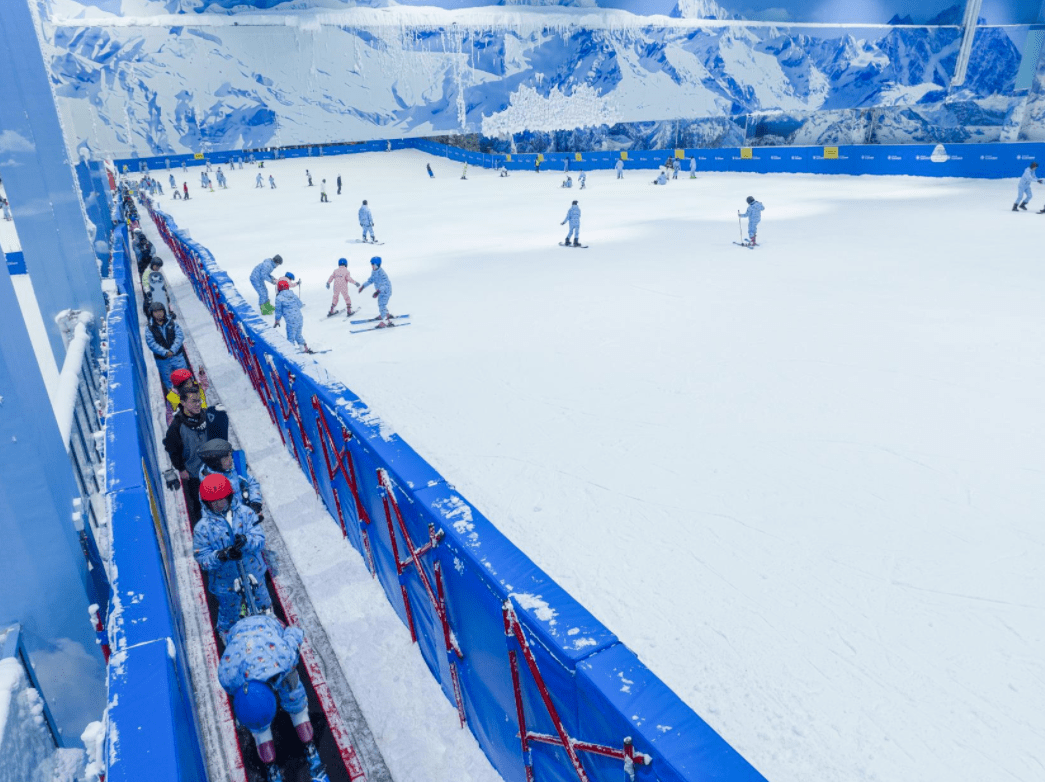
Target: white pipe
(69, 381)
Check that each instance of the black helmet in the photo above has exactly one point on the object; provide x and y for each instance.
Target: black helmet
(751, 199)
(156, 305)
(277, 259)
(213, 451)
(575, 203)
(364, 202)
(156, 262)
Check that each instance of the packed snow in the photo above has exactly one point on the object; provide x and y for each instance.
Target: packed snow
(802, 482)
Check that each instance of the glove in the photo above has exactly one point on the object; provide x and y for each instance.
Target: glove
(235, 554)
(360, 287)
(223, 555)
(276, 324)
(239, 541)
(328, 286)
(376, 293)
(256, 507)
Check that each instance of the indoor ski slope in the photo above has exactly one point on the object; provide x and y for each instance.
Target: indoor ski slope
(803, 482)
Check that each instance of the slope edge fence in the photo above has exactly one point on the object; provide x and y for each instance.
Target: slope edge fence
(549, 692)
(977, 161)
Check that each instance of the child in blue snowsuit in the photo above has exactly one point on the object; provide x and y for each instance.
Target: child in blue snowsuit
(258, 182)
(1023, 195)
(262, 274)
(382, 286)
(574, 218)
(289, 306)
(366, 221)
(754, 217)
(225, 537)
(217, 459)
(165, 339)
(262, 652)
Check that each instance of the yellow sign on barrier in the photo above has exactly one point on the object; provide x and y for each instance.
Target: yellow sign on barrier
(577, 156)
(680, 154)
(624, 155)
(745, 153)
(507, 158)
(830, 153)
(198, 156)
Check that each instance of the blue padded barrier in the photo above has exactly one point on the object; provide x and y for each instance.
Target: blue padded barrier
(16, 263)
(390, 503)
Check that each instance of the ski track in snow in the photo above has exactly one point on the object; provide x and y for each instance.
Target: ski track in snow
(803, 482)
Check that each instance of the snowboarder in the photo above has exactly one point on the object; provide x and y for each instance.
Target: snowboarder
(339, 184)
(217, 458)
(341, 277)
(382, 287)
(1023, 196)
(574, 218)
(177, 194)
(662, 178)
(257, 669)
(429, 167)
(366, 221)
(289, 306)
(754, 217)
(185, 189)
(692, 168)
(154, 284)
(259, 182)
(583, 179)
(323, 192)
(174, 184)
(272, 183)
(307, 174)
(225, 537)
(619, 167)
(568, 182)
(504, 170)
(165, 339)
(259, 276)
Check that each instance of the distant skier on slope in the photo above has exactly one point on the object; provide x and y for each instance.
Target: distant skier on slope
(259, 182)
(323, 192)
(573, 217)
(289, 306)
(662, 178)
(272, 182)
(754, 217)
(692, 168)
(568, 182)
(382, 287)
(1023, 195)
(366, 222)
(619, 168)
(341, 277)
(583, 179)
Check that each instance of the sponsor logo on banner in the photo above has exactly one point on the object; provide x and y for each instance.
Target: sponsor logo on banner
(198, 156)
(745, 153)
(988, 157)
(774, 157)
(894, 157)
(830, 153)
(867, 157)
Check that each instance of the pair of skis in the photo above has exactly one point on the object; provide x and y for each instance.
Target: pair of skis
(365, 241)
(383, 324)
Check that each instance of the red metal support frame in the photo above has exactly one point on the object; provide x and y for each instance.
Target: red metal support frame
(342, 462)
(514, 631)
(437, 597)
(288, 406)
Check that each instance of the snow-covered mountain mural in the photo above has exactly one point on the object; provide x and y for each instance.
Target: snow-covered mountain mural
(172, 76)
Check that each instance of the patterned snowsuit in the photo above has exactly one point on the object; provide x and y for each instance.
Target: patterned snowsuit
(384, 289)
(366, 221)
(340, 278)
(289, 306)
(213, 533)
(240, 483)
(260, 273)
(261, 648)
(574, 218)
(754, 217)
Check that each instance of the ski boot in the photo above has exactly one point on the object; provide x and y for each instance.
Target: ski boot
(576, 241)
(275, 773)
(1023, 206)
(315, 765)
(268, 308)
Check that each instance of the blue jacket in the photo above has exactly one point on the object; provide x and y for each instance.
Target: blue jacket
(259, 648)
(573, 216)
(263, 271)
(214, 532)
(754, 211)
(167, 331)
(365, 218)
(1028, 176)
(379, 280)
(288, 306)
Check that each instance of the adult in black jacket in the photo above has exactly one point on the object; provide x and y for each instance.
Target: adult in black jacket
(190, 428)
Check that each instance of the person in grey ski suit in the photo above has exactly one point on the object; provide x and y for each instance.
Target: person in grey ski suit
(619, 166)
(574, 218)
(289, 306)
(754, 217)
(366, 221)
(1023, 195)
(262, 274)
(382, 285)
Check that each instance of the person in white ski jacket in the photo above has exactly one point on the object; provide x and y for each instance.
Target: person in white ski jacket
(1024, 195)
(573, 217)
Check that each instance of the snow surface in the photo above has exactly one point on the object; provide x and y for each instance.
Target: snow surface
(27, 751)
(803, 482)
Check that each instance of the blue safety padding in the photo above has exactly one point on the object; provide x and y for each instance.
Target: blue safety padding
(150, 721)
(16, 263)
(620, 697)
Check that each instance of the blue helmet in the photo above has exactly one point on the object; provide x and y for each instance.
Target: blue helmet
(255, 705)
(375, 261)
(342, 262)
(289, 276)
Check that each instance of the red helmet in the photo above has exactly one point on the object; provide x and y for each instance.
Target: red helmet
(179, 376)
(215, 487)
(283, 285)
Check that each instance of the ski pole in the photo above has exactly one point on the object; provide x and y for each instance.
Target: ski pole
(248, 588)
(740, 227)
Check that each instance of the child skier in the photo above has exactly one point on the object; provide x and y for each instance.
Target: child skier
(259, 276)
(583, 179)
(574, 218)
(340, 277)
(1023, 195)
(382, 288)
(217, 459)
(754, 217)
(289, 306)
(259, 182)
(366, 221)
(272, 183)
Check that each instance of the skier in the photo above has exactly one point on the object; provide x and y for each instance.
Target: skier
(259, 276)
(574, 218)
(7, 208)
(204, 180)
(323, 192)
(257, 669)
(754, 217)
(675, 168)
(662, 178)
(177, 194)
(291, 280)
(222, 183)
(272, 183)
(1023, 196)
(583, 178)
(537, 165)
(216, 455)
(464, 173)
(339, 184)
(165, 339)
(307, 174)
(692, 168)
(366, 221)
(224, 537)
(429, 167)
(566, 166)
(154, 285)
(259, 182)
(341, 277)
(209, 169)
(185, 188)
(382, 287)
(619, 166)
(174, 184)
(289, 306)
(568, 182)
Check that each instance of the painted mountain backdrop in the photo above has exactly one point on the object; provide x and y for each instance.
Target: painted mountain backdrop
(176, 80)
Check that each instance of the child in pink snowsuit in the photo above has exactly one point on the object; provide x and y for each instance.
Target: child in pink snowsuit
(341, 278)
